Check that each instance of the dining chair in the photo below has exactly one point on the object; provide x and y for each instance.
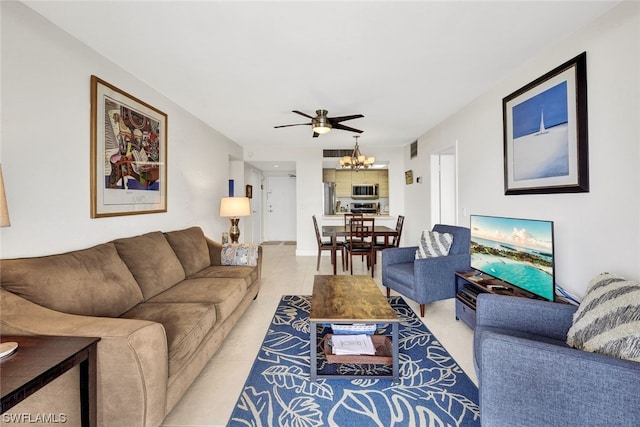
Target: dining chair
(395, 242)
(361, 243)
(349, 216)
(347, 220)
(328, 246)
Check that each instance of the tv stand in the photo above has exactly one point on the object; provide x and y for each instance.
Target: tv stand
(470, 284)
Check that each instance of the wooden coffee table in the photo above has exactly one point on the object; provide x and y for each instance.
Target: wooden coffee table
(350, 299)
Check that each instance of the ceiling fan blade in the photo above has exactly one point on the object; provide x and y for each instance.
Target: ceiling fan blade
(344, 118)
(297, 124)
(343, 127)
(302, 114)
(315, 134)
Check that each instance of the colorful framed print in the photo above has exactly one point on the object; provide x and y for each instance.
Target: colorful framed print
(128, 153)
(545, 133)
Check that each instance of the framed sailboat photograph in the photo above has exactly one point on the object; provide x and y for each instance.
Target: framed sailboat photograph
(545, 133)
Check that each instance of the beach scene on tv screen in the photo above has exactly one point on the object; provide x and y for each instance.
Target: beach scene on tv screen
(517, 251)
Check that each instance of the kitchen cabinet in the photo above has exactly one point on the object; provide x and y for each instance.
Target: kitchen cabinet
(383, 180)
(343, 183)
(359, 178)
(366, 176)
(344, 179)
(328, 175)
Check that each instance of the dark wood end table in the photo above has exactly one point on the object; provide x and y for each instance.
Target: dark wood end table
(40, 360)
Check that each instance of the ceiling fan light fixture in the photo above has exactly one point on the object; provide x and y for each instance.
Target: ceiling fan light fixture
(321, 123)
(322, 129)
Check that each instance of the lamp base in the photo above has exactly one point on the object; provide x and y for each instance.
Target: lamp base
(234, 231)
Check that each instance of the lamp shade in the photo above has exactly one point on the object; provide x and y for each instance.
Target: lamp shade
(4, 210)
(235, 206)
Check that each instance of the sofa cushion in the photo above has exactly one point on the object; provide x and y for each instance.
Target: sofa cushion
(153, 263)
(434, 244)
(226, 294)
(608, 318)
(89, 282)
(191, 248)
(186, 325)
(248, 274)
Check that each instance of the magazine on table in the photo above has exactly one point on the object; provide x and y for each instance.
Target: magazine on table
(352, 345)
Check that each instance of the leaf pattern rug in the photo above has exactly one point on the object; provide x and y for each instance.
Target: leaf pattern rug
(433, 389)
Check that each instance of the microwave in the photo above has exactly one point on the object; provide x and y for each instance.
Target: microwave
(364, 191)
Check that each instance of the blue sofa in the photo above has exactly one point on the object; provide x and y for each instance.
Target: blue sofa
(528, 376)
(429, 279)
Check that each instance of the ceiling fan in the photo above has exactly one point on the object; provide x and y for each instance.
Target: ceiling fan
(322, 124)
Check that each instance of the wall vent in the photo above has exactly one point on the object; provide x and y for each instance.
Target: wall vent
(337, 153)
(414, 149)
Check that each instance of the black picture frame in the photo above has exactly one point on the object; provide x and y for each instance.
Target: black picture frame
(546, 155)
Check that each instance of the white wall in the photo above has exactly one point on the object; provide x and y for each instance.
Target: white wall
(45, 146)
(596, 231)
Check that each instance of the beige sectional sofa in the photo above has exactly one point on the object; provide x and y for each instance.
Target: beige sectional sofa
(162, 304)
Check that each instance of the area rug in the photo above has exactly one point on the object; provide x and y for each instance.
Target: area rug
(433, 389)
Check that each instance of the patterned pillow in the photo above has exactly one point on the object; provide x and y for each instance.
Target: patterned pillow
(239, 254)
(608, 319)
(434, 244)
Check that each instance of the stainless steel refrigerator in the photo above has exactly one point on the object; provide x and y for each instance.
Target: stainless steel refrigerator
(329, 197)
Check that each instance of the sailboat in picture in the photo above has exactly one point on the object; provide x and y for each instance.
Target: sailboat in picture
(542, 130)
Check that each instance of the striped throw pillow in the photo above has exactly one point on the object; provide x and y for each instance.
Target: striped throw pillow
(434, 244)
(608, 319)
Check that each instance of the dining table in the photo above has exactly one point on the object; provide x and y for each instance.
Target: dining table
(335, 231)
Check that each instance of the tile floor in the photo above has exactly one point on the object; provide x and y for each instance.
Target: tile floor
(211, 398)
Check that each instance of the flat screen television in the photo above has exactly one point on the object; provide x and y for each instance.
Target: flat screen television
(516, 251)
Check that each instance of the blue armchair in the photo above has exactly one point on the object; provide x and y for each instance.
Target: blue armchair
(429, 279)
(528, 376)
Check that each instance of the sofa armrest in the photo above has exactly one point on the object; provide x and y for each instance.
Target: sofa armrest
(215, 251)
(531, 383)
(445, 266)
(398, 255)
(544, 318)
(132, 357)
(435, 277)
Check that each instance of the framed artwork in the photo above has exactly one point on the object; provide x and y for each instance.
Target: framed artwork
(248, 191)
(545, 133)
(408, 177)
(128, 153)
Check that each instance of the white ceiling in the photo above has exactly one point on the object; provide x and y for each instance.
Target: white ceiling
(243, 66)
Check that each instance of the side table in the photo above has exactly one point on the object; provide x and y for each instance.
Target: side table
(40, 360)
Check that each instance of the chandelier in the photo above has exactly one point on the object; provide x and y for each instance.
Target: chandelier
(357, 161)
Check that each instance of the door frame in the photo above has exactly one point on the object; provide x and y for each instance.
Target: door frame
(444, 186)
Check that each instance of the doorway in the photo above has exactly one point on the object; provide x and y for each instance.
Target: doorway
(444, 189)
(280, 208)
(256, 206)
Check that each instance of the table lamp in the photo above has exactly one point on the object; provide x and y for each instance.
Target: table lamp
(234, 208)
(4, 211)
